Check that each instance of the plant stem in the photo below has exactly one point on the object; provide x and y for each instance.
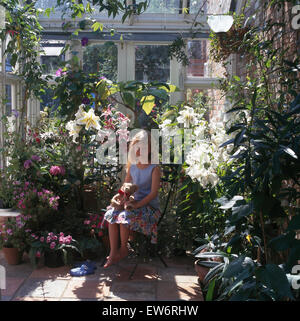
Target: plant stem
(264, 235)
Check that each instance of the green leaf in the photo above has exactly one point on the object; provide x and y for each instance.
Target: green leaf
(169, 88)
(239, 137)
(231, 203)
(294, 255)
(148, 103)
(274, 277)
(234, 267)
(47, 12)
(129, 99)
(208, 264)
(294, 224)
(241, 211)
(283, 242)
(210, 292)
(97, 25)
(289, 151)
(159, 93)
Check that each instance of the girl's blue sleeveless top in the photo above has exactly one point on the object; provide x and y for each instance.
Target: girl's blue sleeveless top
(143, 179)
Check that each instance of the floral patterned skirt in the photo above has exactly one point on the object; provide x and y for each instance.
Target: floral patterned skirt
(143, 220)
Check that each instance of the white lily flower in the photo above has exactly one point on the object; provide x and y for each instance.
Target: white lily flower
(89, 119)
(73, 129)
(188, 117)
(80, 112)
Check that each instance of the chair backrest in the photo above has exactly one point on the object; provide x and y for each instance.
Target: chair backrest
(166, 205)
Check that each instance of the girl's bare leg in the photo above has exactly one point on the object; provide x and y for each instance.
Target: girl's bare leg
(124, 233)
(113, 231)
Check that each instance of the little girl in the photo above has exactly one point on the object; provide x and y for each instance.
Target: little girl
(145, 215)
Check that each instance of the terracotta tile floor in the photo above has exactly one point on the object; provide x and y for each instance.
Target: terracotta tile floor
(150, 282)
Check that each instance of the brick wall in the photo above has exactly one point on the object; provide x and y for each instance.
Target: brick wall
(289, 38)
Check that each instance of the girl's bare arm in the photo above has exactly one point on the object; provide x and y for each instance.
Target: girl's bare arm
(128, 178)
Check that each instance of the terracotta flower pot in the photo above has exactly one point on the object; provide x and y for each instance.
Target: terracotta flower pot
(12, 255)
(201, 271)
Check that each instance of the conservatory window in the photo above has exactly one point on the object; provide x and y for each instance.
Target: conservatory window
(211, 99)
(196, 5)
(152, 63)
(198, 58)
(159, 6)
(8, 66)
(102, 58)
(51, 58)
(8, 100)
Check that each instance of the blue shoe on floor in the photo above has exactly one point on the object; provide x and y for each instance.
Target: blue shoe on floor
(82, 270)
(88, 263)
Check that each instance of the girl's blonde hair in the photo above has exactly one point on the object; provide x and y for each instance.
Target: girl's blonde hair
(140, 136)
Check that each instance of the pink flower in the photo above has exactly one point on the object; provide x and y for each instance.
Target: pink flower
(42, 239)
(27, 163)
(54, 170)
(35, 158)
(107, 113)
(38, 254)
(52, 245)
(123, 134)
(59, 72)
(57, 170)
(109, 124)
(87, 222)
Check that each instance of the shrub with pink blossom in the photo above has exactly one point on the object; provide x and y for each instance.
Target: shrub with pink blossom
(40, 203)
(15, 234)
(51, 242)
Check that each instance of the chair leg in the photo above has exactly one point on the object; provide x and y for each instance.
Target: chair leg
(132, 272)
(162, 260)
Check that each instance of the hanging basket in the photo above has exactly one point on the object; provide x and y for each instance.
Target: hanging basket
(231, 42)
(12, 255)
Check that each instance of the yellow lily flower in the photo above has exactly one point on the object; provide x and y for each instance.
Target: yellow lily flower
(89, 119)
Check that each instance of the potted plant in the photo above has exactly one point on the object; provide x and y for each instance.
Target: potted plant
(206, 258)
(97, 228)
(54, 248)
(14, 239)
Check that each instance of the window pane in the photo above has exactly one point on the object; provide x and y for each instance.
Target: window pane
(152, 63)
(8, 66)
(213, 100)
(8, 100)
(51, 64)
(102, 58)
(159, 6)
(48, 101)
(195, 5)
(198, 58)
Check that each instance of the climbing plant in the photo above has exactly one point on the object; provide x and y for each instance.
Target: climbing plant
(263, 206)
